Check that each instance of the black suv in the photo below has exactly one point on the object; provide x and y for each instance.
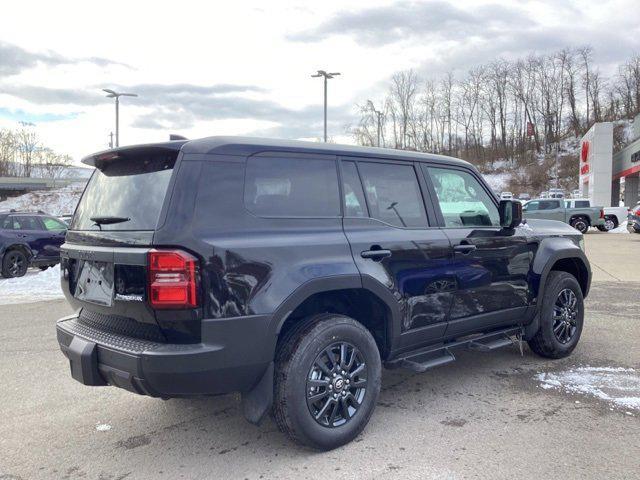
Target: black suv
(29, 239)
(292, 272)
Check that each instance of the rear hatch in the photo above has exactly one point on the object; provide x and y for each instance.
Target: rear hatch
(110, 268)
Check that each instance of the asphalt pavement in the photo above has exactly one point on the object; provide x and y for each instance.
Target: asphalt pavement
(485, 416)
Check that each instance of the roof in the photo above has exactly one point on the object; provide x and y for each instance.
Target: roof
(224, 145)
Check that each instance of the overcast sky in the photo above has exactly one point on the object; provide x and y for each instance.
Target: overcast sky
(243, 67)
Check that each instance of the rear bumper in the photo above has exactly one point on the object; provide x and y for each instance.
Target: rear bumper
(232, 363)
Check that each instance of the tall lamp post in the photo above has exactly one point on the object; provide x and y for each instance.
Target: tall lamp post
(327, 76)
(117, 95)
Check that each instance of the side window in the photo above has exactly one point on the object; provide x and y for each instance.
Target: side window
(53, 224)
(393, 194)
(7, 223)
(26, 223)
(354, 203)
(549, 204)
(532, 206)
(291, 187)
(463, 201)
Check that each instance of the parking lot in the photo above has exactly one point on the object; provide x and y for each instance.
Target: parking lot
(497, 415)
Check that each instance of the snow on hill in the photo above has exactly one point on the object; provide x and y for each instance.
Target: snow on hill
(61, 201)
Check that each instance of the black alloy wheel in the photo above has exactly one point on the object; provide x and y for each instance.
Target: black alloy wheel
(565, 314)
(14, 264)
(336, 384)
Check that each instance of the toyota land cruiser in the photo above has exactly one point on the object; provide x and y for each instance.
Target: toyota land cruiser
(291, 272)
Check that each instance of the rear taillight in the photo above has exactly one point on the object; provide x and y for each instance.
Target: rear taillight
(173, 281)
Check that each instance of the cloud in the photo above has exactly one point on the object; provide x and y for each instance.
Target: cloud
(52, 96)
(14, 59)
(407, 20)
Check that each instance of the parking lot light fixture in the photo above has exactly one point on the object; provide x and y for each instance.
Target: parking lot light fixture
(117, 95)
(327, 76)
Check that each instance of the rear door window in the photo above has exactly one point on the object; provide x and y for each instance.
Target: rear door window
(26, 223)
(132, 188)
(393, 194)
(291, 187)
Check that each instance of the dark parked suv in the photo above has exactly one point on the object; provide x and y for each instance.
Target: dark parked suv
(29, 239)
(291, 272)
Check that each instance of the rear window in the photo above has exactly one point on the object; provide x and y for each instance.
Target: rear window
(132, 188)
(291, 187)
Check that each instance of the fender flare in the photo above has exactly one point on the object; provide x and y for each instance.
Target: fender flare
(550, 251)
(338, 282)
(20, 245)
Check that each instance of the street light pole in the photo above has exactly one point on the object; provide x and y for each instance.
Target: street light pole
(327, 76)
(117, 95)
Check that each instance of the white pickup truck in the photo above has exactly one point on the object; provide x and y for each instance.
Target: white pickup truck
(613, 216)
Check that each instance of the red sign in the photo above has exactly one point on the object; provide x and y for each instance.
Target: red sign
(584, 169)
(584, 152)
(530, 129)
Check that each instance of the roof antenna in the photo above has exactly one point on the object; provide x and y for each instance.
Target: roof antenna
(173, 136)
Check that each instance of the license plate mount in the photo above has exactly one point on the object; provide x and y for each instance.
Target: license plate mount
(95, 283)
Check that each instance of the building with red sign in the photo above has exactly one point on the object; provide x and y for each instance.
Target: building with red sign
(601, 172)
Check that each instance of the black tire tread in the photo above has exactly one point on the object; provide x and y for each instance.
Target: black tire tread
(539, 343)
(284, 363)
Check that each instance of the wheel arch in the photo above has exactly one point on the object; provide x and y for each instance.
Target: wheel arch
(359, 298)
(561, 254)
(23, 247)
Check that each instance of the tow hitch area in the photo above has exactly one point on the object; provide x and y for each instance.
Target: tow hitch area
(83, 360)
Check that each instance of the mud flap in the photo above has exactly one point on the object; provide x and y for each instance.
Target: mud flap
(257, 402)
(83, 360)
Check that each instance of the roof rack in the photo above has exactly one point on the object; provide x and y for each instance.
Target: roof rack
(13, 210)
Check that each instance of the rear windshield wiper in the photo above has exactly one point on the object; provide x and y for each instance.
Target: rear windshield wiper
(99, 221)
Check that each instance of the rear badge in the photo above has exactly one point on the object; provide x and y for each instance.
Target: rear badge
(128, 298)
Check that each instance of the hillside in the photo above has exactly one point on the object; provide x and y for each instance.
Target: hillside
(62, 201)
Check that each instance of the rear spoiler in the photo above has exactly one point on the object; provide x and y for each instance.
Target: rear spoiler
(151, 149)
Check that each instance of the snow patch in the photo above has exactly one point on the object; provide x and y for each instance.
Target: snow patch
(617, 386)
(35, 286)
(622, 228)
(103, 427)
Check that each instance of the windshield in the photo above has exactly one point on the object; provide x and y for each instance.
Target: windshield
(131, 188)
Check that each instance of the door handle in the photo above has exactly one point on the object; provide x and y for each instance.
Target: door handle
(376, 255)
(465, 248)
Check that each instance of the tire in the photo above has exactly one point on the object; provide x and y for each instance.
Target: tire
(14, 264)
(602, 228)
(44, 267)
(580, 224)
(549, 341)
(609, 224)
(299, 380)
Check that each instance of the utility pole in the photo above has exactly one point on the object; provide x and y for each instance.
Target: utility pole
(327, 76)
(116, 95)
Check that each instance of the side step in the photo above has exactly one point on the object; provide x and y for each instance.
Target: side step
(425, 358)
(419, 365)
(491, 345)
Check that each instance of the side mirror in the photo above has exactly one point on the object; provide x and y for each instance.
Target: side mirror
(510, 214)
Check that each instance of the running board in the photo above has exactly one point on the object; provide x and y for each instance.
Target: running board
(491, 345)
(423, 359)
(419, 365)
